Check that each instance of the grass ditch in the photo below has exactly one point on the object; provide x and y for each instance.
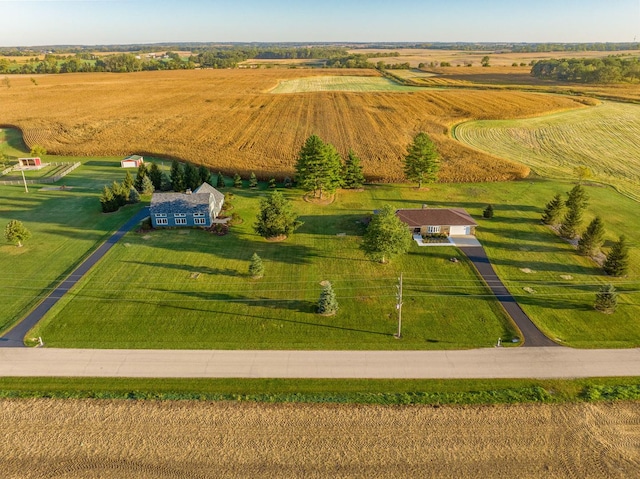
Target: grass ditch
(331, 391)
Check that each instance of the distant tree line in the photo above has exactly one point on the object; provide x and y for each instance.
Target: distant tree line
(589, 70)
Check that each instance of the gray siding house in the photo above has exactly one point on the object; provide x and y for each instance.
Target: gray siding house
(199, 208)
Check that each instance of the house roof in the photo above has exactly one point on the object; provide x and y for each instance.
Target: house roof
(435, 217)
(207, 188)
(179, 202)
(133, 158)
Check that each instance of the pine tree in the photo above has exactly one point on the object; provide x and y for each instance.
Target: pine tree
(422, 161)
(578, 198)
(272, 182)
(287, 182)
(142, 172)
(576, 203)
(593, 238)
(553, 211)
(386, 236)
(155, 175)
(327, 304)
(16, 232)
(617, 262)
(177, 176)
(191, 176)
(204, 174)
(256, 267)
(107, 200)
(120, 194)
(237, 181)
(134, 196)
(352, 177)
(128, 180)
(318, 168)
(147, 186)
(253, 180)
(488, 212)
(606, 299)
(220, 181)
(276, 217)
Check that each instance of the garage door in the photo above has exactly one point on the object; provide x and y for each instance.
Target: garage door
(460, 230)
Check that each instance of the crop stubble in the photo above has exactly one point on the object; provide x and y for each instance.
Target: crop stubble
(229, 120)
(118, 439)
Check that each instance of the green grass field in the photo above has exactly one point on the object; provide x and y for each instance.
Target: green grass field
(603, 138)
(341, 83)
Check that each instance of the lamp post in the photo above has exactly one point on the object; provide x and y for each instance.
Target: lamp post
(26, 190)
(398, 335)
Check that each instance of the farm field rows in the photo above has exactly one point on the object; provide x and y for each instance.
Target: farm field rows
(117, 439)
(189, 289)
(341, 83)
(228, 120)
(602, 138)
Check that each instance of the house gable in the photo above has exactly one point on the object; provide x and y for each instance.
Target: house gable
(185, 209)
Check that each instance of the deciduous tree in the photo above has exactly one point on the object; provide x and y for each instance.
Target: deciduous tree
(422, 161)
(16, 232)
(276, 218)
(386, 236)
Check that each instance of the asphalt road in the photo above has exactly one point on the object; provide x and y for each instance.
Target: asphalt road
(14, 337)
(553, 362)
(532, 335)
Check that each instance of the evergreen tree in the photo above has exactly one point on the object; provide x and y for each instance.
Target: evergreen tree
(253, 180)
(617, 262)
(128, 180)
(422, 161)
(577, 198)
(16, 232)
(553, 211)
(352, 177)
(593, 238)
(256, 267)
(165, 185)
(576, 203)
(107, 200)
(191, 176)
(318, 168)
(134, 196)
(177, 176)
(386, 236)
(327, 304)
(272, 182)
(488, 212)
(142, 172)
(147, 186)
(287, 182)
(155, 175)
(237, 181)
(276, 217)
(220, 181)
(606, 299)
(120, 194)
(204, 174)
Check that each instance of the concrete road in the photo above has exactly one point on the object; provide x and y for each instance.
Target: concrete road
(552, 362)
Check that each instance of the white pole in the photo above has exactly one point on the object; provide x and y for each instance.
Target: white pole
(26, 190)
(398, 335)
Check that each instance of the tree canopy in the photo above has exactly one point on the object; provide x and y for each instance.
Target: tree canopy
(352, 176)
(386, 236)
(319, 167)
(276, 218)
(422, 161)
(16, 232)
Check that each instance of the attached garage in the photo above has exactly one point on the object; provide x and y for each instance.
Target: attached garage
(459, 230)
(438, 221)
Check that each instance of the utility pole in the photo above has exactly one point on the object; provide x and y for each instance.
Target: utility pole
(398, 335)
(26, 190)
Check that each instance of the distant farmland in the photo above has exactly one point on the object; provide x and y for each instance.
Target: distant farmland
(229, 121)
(603, 139)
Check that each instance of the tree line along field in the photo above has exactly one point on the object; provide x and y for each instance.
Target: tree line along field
(191, 289)
(602, 138)
(229, 120)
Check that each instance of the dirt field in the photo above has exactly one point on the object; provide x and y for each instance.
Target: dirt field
(229, 120)
(121, 439)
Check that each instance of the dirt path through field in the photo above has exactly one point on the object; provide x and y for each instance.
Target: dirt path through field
(126, 439)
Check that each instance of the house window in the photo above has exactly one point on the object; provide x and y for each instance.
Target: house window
(160, 215)
(200, 221)
(433, 229)
(198, 215)
(179, 215)
(161, 221)
(181, 221)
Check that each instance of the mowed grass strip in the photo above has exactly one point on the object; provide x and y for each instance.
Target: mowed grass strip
(341, 83)
(602, 138)
(190, 289)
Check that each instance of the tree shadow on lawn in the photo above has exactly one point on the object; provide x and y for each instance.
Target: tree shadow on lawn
(543, 266)
(556, 304)
(299, 306)
(190, 269)
(330, 225)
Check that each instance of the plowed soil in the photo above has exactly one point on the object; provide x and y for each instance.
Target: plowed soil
(122, 439)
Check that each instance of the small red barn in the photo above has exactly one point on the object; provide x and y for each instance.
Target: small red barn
(29, 162)
(132, 161)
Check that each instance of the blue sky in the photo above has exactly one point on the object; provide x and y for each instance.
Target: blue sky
(38, 22)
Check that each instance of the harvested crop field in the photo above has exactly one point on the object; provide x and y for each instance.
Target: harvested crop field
(340, 83)
(229, 120)
(127, 439)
